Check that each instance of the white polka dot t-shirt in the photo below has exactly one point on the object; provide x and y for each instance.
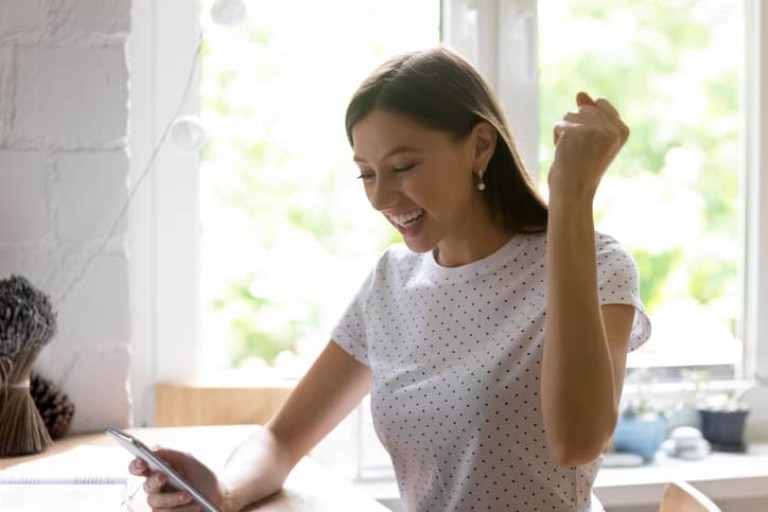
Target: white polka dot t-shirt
(455, 355)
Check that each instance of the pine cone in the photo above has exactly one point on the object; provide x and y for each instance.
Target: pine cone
(55, 407)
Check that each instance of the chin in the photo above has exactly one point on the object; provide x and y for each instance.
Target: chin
(420, 247)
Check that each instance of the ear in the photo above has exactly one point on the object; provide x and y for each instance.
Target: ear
(484, 137)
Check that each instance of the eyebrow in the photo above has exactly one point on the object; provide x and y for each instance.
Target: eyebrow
(395, 151)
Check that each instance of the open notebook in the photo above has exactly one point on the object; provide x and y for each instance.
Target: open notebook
(84, 478)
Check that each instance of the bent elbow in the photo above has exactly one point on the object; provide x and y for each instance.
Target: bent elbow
(576, 455)
(576, 448)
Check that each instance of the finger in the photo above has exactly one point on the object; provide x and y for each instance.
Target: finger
(178, 501)
(560, 128)
(171, 456)
(156, 482)
(606, 106)
(138, 467)
(584, 115)
(582, 98)
(192, 507)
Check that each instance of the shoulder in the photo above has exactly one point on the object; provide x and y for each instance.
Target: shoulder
(398, 256)
(607, 245)
(395, 263)
(614, 257)
(606, 241)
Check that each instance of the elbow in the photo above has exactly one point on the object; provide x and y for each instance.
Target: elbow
(575, 454)
(580, 446)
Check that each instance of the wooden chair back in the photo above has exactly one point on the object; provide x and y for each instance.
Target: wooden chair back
(683, 497)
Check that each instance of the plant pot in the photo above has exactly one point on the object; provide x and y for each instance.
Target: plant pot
(724, 429)
(640, 435)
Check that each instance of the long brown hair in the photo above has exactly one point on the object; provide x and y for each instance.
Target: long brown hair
(441, 90)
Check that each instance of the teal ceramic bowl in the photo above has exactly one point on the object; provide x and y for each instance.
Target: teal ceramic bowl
(642, 436)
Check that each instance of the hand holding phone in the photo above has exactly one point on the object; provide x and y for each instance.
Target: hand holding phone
(155, 463)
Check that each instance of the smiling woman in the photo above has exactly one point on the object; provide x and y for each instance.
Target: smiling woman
(506, 340)
(427, 191)
(557, 71)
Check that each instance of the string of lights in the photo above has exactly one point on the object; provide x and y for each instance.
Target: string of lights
(186, 133)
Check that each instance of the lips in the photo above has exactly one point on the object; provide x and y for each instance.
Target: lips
(406, 220)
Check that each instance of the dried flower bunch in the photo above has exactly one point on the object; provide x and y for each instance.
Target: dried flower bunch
(27, 324)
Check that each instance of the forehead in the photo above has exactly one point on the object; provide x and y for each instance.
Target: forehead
(381, 130)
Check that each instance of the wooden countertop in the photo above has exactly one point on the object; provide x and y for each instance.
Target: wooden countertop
(310, 486)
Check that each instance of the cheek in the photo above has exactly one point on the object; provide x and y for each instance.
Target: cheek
(451, 185)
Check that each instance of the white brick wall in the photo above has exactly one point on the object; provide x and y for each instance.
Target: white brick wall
(21, 16)
(24, 214)
(91, 16)
(76, 95)
(63, 180)
(94, 188)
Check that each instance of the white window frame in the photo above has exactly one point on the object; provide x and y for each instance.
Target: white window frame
(163, 219)
(499, 38)
(163, 225)
(756, 186)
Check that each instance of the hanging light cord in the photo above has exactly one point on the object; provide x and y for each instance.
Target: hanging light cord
(145, 172)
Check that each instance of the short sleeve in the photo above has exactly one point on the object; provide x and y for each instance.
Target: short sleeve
(618, 283)
(350, 331)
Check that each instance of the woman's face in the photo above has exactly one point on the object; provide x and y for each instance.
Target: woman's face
(420, 179)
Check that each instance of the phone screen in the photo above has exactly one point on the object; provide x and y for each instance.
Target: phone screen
(142, 451)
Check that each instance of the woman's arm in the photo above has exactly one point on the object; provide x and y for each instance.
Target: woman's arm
(585, 344)
(258, 467)
(332, 387)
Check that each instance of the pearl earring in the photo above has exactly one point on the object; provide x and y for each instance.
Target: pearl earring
(480, 182)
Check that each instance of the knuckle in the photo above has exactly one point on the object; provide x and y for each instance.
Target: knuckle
(624, 131)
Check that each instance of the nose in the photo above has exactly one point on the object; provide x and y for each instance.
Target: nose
(382, 193)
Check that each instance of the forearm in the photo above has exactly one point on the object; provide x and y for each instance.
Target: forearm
(332, 387)
(578, 393)
(256, 469)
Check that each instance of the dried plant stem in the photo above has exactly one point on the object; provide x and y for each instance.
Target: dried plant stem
(22, 429)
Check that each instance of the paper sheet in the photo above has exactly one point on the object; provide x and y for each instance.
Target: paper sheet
(85, 478)
(65, 497)
(85, 464)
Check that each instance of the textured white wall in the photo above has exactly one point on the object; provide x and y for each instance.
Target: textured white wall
(63, 180)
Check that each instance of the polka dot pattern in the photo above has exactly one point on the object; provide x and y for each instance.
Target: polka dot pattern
(456, 360)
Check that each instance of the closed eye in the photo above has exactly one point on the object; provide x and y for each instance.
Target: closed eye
(403, 168)
(365, 176)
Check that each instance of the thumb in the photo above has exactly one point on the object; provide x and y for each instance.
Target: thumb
(582, 98)
(173, 457)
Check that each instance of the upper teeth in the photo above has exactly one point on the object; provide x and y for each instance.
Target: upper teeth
(407, 218)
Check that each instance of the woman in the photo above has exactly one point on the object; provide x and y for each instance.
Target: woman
(494, 342)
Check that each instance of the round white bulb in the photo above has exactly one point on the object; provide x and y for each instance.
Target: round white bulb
(188, 134)
(229, 13)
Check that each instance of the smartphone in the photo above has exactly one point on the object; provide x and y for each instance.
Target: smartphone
(155, 463)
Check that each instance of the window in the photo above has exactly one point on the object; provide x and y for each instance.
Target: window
(675, 194)
(275, 179)
(164, 226)
(287, 234)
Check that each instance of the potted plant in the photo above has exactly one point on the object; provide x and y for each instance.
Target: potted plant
(688, 401)
(640, 430)
(723, 418)
(642, 424)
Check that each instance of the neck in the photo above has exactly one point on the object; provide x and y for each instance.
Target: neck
(478, 244)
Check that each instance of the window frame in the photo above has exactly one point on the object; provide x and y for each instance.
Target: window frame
(162, 233)
(756, 185)
(163, 218)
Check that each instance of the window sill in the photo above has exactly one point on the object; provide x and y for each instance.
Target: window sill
(725, 477)
(721, 476)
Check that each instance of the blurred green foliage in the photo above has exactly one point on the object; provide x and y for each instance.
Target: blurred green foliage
(659, 62)
(651, 59)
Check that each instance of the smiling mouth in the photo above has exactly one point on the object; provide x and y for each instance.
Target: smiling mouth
(406, 220)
